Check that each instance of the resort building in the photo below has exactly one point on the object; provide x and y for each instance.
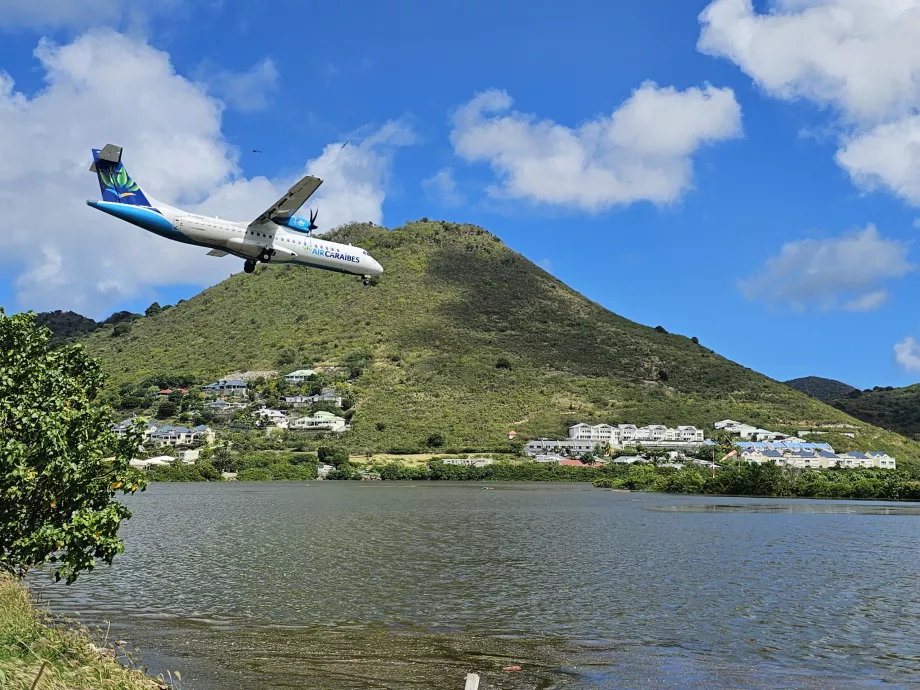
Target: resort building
(320, 421)
(629, 434)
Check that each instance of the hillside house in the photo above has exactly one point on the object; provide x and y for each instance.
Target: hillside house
(327, 395)
(469, 462)
(122, 428)
(181, 436)
(226, 387)
(300, 376)
(222, 405)
(274, 417)
(320, 421)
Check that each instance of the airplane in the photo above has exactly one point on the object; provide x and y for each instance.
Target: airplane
(276, 236)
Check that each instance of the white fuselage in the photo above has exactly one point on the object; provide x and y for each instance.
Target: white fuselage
(246, 240)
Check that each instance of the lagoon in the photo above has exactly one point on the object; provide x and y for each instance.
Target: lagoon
(397, 585)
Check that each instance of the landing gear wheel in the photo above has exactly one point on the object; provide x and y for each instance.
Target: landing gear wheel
(366, 282)
(249, 266)
(265, 256)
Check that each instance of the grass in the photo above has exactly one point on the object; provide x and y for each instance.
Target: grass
(30, 642)
(466, 338)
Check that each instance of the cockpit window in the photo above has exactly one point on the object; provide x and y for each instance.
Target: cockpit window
(364, 252)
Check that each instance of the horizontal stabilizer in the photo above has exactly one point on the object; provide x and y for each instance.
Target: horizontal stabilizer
(110, 154)
(217, 252)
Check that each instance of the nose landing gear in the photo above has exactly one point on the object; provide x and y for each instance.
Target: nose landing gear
(249, 266)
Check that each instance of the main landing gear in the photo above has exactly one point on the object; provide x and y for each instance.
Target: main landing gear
(265, 255)
(366, 280)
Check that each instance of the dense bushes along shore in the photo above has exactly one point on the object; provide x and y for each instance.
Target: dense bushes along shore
(770, 480)
(737, 480)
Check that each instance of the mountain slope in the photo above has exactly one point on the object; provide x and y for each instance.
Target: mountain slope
(821, 388)
(467, 338)
(896, 409)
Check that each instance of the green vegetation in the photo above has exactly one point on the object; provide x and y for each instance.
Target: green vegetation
(821, 388)
(66, 325)
(769, 480)
(65, 657)
(60, 464)
(897, 409)
(461, 340)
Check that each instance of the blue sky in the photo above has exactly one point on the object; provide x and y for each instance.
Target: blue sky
(768, 179)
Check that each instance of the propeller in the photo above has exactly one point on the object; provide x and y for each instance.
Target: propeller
(313, 216)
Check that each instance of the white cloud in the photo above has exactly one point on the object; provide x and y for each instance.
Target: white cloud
(546, 265)
(82, 14)
(868, 302)
(68, 256)
(820, 272)
(642, 151)
(860, 57)
(443, 187)
(907, 354)
(247, 91)
(917, 223)
(887, 155)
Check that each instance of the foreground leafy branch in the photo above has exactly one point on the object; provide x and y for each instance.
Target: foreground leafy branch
(60, 463)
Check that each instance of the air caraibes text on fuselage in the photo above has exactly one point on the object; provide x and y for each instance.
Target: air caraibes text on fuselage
(276, 236)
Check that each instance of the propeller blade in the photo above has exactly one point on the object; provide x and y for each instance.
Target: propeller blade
(313, 219)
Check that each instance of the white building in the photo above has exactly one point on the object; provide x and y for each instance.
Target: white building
(320, 421)
(181, 436)
(299, 376)
(627, 434)
(469, 462)
(547, 446)
(190, 457)
(274, 417)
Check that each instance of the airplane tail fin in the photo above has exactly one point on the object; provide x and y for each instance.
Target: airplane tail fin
(114, 181)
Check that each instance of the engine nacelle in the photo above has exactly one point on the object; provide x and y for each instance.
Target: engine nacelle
(296, 223)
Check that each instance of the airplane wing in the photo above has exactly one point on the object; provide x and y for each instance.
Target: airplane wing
(217, 252)
(296, 196)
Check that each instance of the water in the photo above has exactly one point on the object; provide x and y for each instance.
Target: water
(378, 585)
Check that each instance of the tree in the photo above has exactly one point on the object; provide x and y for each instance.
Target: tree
(660, 329)
(435, 440)
(121, 329)
(222, 460)
(153, 309)
(663, 376)
(166, 409)
(333, 456)
(60, 463)
(502, 363)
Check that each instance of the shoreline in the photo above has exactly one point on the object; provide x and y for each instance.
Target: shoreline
(38, 651)
(591, 482)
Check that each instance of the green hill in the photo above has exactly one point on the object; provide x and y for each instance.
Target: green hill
(466, 338)
(821, 388)
(65, 325)
(897, 409)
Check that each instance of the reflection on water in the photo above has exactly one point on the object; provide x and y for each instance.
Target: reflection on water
(377, 585)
